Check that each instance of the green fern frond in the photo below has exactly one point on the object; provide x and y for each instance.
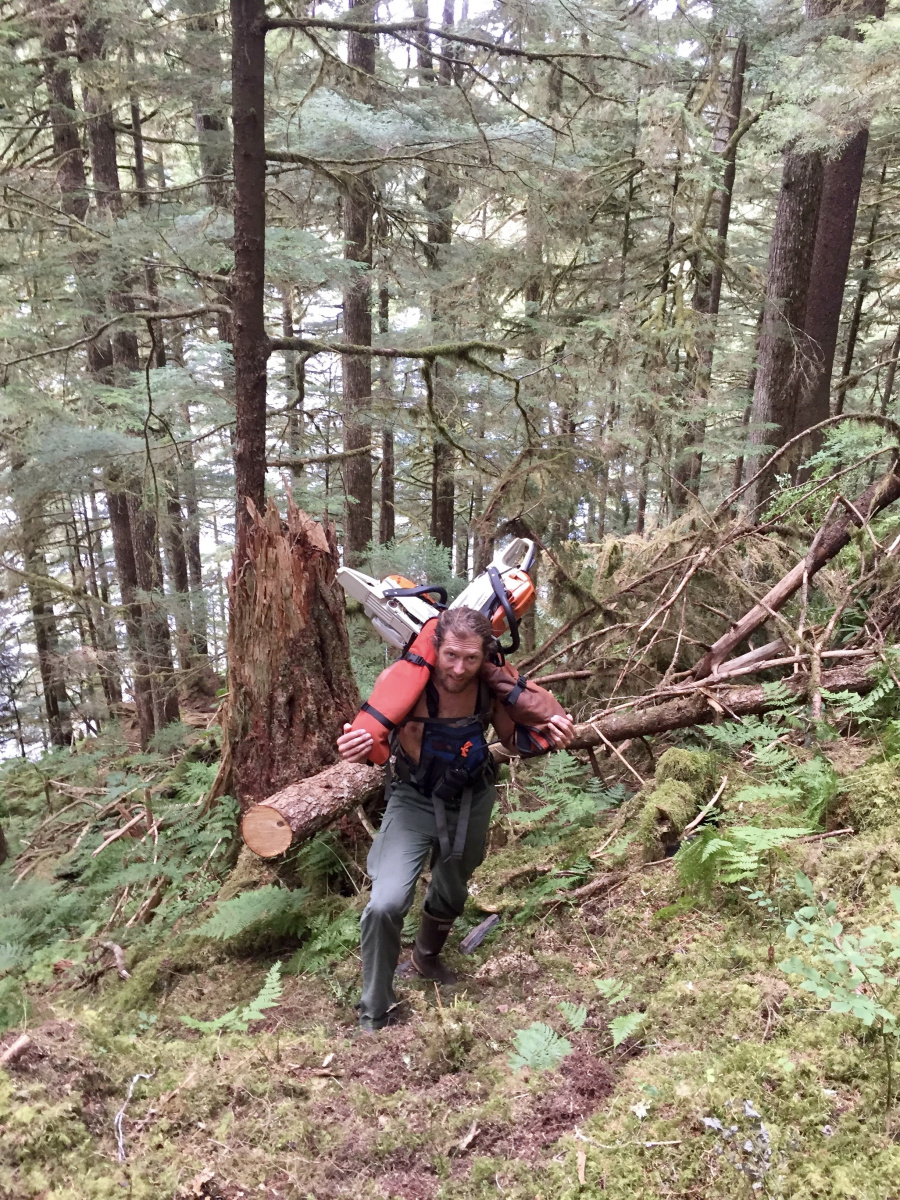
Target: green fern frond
(539, 1047)
(271, 910)
(238, 1020)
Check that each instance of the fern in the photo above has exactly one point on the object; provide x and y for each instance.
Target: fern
(237, 1020)
(572, 799)
(623, 1027)
(713, 857)
(271, 910)
(540, 1048)
(329, 940)
(613, 991)
(575, 1014)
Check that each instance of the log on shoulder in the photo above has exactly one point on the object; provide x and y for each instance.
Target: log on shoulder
(302, 809)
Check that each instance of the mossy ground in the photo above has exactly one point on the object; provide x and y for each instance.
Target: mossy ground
(431, 1110)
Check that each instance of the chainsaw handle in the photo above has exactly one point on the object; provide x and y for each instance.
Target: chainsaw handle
(422, 590)
(500, 592)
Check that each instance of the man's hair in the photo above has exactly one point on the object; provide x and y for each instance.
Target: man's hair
(464, 623)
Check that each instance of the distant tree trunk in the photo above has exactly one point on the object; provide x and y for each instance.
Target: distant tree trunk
(199, 607)
(357, 369)
(891, 374)
(123, 551)
(861, 293)
(386, 511)
(46, 632)
(99, 589)
(708, 292)
(783, 350)
(441, 193)
(290, 684)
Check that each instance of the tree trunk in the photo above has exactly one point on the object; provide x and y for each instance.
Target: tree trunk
(783, 349)
(251, 346)
(708, 293)
(123, 550)
(357, 369)
(290, 683)
(386, 509)
(841, 185)
(861, 292)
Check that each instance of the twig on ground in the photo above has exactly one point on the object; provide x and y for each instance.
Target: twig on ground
(120, 1117)
(116, 834)
(119, 956)
(15, 1049)
(618, 755)
(706, 808)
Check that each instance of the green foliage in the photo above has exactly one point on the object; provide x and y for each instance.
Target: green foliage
(573, 799)
(613, 991)
(238, 1020)
(270, 911)
(539, 1047)
(854, 972)
(575, 1014)
(625, 1026)
(328, 939)
(714, 857)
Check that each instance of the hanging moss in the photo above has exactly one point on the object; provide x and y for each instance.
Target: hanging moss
(666, 811)
(694, 767)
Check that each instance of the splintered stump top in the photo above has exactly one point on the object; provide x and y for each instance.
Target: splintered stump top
(302, 809)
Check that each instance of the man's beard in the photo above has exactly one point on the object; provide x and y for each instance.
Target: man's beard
(454, 684)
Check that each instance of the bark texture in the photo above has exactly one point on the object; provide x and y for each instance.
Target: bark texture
(251, 346)
(290, 684)
(784, 356)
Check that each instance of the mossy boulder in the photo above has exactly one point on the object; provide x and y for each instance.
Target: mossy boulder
(694, 767)
(666, 811)
(871, 796)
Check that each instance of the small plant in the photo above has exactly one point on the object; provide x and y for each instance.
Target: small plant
(613, 992)
(238, 1020)
(732, 855)
(572, 798)
(623, 1027)
(540, 1048)
(575, 1014)
(272, 910)
(851, 971)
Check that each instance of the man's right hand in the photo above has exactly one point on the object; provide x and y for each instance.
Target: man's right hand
(354, 744)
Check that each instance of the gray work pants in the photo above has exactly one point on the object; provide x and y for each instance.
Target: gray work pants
(406, 842)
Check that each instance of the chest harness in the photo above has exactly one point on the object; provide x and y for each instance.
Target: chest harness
(454, 762)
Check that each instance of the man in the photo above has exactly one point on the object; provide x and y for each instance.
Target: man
(439, 809)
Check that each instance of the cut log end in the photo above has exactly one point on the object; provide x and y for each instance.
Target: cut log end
(266, 831)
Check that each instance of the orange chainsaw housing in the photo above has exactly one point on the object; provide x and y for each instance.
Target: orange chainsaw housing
(396, 691)
(520, 591)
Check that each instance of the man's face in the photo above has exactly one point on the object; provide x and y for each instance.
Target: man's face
(459, 660)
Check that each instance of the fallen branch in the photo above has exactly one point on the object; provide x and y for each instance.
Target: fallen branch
(829, 541)
(302, 809)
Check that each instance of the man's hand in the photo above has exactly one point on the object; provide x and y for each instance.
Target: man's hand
(354, 745)
(560, 730)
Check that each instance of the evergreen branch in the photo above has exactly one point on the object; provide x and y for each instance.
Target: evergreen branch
(447, 35)
(317, 459)
(179, 315)
(427, 353)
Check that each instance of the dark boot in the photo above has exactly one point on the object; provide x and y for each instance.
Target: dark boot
(425, 960)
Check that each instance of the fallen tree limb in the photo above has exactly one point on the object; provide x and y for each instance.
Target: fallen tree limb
(830, 539)
(302, 809)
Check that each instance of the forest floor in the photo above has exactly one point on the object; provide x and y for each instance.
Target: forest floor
(728, 1079)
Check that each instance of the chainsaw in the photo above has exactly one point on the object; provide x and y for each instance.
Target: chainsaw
(398, 608)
